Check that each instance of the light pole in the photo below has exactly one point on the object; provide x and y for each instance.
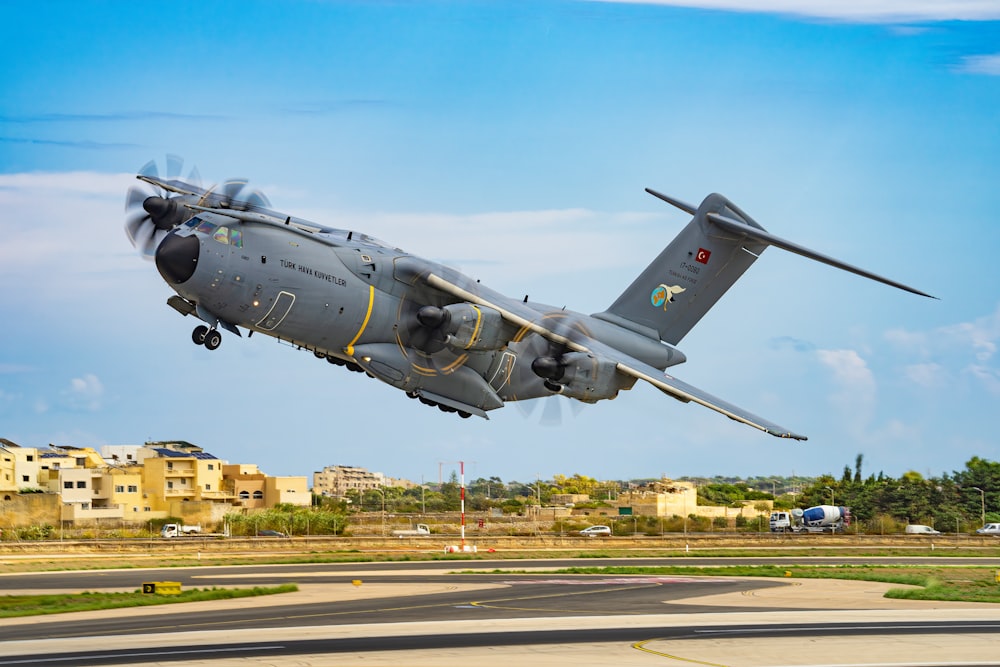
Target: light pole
(831, 494)
(982, 500)
(381, 492)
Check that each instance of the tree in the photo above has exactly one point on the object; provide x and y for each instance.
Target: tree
(451, 493)
(579, 484)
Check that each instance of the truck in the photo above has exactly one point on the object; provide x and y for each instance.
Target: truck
(420, 530)
(819, 519)
(179, 530)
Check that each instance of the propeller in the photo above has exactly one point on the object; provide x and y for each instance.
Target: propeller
(235, 194)
(151, 211)
(546, 368)
(421, 331)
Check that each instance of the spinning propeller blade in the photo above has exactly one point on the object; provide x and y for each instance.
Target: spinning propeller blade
(151, 211)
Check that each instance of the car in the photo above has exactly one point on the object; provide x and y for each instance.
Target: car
(596, 530)
(989, 529)
(920, 529)
(270, 533)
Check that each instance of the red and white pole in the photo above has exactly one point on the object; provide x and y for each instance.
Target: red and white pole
(461, 467)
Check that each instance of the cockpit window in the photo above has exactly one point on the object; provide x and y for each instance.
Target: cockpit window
(223, 235)
(207, 227)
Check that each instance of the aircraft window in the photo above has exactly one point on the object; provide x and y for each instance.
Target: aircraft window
(236, 238)
(207, 227)
(193, 222)
(221, 235)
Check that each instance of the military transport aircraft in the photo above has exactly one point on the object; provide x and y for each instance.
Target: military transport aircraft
(436, 334)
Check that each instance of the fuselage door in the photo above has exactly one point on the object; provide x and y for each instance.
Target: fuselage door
(278, 311)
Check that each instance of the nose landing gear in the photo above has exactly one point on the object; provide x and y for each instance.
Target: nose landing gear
(210, 338)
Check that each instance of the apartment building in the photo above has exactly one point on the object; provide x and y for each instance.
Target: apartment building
(253, 489)
(19, 467)
(132, 483)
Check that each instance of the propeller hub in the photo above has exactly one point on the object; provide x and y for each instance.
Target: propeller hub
(433, 317)
(165, 213)
(548, 368)
(177, 258)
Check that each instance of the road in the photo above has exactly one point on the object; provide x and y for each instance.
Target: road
(421, 613)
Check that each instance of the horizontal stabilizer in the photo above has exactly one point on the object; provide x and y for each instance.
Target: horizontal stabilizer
(682, 391)
(684, 206)
(744, 230)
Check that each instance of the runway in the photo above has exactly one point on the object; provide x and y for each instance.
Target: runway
(423, 613)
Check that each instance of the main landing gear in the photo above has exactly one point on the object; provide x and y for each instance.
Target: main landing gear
(210, 338)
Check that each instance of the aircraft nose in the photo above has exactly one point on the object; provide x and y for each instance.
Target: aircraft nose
(177, 258)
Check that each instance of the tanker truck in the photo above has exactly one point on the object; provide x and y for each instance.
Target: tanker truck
(819, 519)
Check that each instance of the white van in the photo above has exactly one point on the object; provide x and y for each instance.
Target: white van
(918, 529)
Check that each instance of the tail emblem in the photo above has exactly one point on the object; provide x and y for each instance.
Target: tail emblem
(663, 294)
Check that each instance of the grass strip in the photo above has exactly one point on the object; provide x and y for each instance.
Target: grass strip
(959, 583)
(60, 603)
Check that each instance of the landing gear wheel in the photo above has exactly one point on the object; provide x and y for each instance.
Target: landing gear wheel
(213, 339)
(199, 333)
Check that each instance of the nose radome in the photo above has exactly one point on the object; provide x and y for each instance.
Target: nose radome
(177, 258)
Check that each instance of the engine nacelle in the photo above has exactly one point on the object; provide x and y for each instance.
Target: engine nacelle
(466, 326)
(579, 375)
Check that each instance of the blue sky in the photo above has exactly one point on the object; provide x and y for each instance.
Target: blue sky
(514, 140)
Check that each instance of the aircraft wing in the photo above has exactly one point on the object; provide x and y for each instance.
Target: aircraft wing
(524, 316)
(687, 393)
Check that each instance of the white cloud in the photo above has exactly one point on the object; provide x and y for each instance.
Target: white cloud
(988, 377)
(865, 11)
(8, 368)
(929, 375)
(57, 225)
(85, 393)
(981, 65)
(980, 335)
(521, 244)
(856, 387)
(968, 348)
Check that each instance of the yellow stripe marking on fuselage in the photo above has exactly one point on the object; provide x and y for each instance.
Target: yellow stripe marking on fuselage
(371, 302)
(475, 331)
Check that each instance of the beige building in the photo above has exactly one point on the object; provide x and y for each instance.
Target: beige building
(287, 490)
(254, 490)
(667, 498)
(19, 469)
(181, 472)
(336, 481)
(133, 483)
(246, 483)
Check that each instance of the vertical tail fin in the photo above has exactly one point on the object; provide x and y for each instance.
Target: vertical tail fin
(691, 274)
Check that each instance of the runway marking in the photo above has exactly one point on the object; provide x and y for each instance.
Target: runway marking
(809, 628)
(613, 581)
(200, 624)
(35, 660)
(641, 646)
(494, 603)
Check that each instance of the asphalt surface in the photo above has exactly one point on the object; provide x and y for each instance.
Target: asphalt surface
(418, 613)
